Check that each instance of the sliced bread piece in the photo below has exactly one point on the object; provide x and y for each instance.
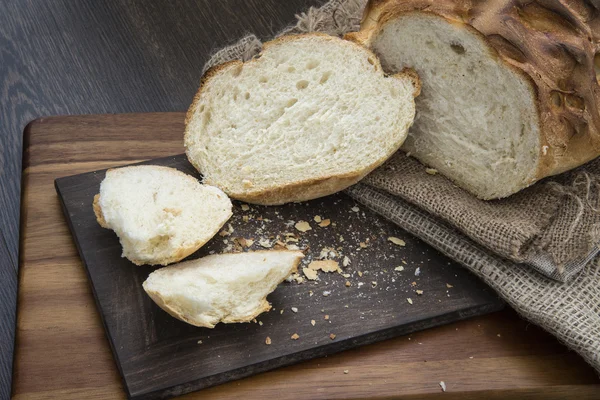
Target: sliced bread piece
(309, 116)
(509, 93)
(160, 214)
(222, 287)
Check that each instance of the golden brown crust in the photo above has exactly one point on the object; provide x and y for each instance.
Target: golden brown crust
(552, 44)
(98, 212)
(309, 188)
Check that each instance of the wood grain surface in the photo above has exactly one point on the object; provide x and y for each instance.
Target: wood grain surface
(79, 57)
(159, 356)
(62, 351)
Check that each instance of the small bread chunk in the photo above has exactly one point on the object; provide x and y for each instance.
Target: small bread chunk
(160, 214)
(224, 288)
(310, 116)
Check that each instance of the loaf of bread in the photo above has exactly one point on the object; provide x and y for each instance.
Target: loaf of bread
(221, 288)
(309, 116)
(510, 94)
(160, 214)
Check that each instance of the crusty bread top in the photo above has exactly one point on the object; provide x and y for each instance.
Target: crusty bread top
(553, 45)
(294, 108)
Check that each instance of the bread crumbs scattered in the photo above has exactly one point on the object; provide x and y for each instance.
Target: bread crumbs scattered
(292, 247)
(346, 371)
(443, 386)
(317, 218)
(409, 300)
(303, 226)
(246, 242)
(348, 284)
(346, 261)
(449, 285)
(245, 207)
(419, 292)
(268, 340)
(260, 323)
(310, 274)
(326, 293)
(245, 218)
(295, 336)
(431, 171)
(417, 271)
(332, 336)
(400, 268)
(294, 309)
(324, 265)
(341, 238)
(310, 293)
(324, 223)
(355, 209)
(199, 341)
(227, 232)
(362, 245)
(374, 284)
(404, 262)
(281, 311)
(264, 242)
(397, 241)
(326, 316)
(360, 273)
(346, 275)
(413, 284)
(313, 322)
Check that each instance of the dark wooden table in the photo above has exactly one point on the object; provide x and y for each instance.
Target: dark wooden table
(62, 57)
(102, 56)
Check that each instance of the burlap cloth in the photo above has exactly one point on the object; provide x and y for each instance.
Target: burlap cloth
(537, 248)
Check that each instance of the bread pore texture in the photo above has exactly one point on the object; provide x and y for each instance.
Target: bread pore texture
(309, 116)
(160, 214)
(224, 288)
(509, 93)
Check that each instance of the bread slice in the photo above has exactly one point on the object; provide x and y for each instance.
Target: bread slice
(221, 288)
(160, 214)
(509, 90)
(309, 116)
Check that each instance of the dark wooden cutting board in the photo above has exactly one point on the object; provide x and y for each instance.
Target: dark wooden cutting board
(159, 356)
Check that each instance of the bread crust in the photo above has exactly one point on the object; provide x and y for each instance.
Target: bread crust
(550, 44)
(310, 188)
(264, 306)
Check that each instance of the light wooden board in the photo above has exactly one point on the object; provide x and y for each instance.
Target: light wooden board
(62, 350)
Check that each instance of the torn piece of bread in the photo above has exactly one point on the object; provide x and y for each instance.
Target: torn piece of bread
(510, 92)
(160, 214)
(309, 116)
(222, 287)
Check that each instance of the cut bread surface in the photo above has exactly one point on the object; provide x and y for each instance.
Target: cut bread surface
(221, 288)
(476, 117)
(310, 116)
(160, 214)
